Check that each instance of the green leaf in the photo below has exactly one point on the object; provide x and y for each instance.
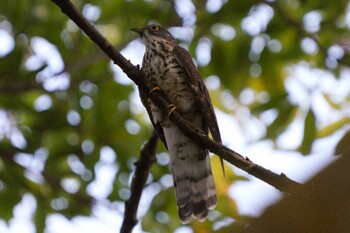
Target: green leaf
(309, 133)
(333, 127)
(285, 116)
(7, 201)
(40, 217)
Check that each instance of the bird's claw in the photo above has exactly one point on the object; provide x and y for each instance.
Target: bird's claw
(171, 109)
(156, 88)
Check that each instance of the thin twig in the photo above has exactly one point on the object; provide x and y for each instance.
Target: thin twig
(143, 165)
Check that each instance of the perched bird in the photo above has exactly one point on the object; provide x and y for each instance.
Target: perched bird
(171, 69)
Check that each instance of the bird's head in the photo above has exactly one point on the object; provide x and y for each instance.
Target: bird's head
(155, 36)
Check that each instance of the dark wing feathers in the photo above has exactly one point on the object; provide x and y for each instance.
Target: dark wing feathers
(145, 101)
(199, 89)
(200, 92)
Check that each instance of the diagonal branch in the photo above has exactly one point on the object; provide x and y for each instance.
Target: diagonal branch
(279, 181)
(143, 165)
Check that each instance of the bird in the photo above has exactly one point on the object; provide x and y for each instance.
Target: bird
(171, 69)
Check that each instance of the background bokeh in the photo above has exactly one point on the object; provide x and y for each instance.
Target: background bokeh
(72, 125)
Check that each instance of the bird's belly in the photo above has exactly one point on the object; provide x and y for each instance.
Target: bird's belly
(179, 93)
(170, 77)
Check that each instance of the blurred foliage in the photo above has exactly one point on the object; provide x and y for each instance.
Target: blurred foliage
(60, 113)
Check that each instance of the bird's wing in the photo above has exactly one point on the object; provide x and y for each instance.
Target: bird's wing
(199, 90)
(147, 103)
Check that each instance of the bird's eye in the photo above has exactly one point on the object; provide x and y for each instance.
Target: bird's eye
(154, 28)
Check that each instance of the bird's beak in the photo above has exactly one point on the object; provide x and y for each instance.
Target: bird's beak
(138, 30)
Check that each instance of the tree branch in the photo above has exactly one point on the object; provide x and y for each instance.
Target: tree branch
(10, 87)
(143, 165)
(279, 181)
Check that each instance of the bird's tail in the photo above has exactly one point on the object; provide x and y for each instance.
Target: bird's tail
(193, 179)
(194, 187)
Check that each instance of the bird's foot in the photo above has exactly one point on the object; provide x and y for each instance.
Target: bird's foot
(171, 109)
(156, 88)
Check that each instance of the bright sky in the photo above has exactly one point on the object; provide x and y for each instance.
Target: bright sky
(252, 197)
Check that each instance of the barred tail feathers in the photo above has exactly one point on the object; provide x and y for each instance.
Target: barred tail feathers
(193, 179)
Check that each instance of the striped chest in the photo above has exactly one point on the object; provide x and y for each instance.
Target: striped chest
(165, 71)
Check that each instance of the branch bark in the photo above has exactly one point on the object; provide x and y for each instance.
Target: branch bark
(279, 181)
(143, 165)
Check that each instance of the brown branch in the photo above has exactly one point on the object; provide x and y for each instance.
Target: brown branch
(133, 72)
(279, 181)
(17, 87)
(143, 165)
